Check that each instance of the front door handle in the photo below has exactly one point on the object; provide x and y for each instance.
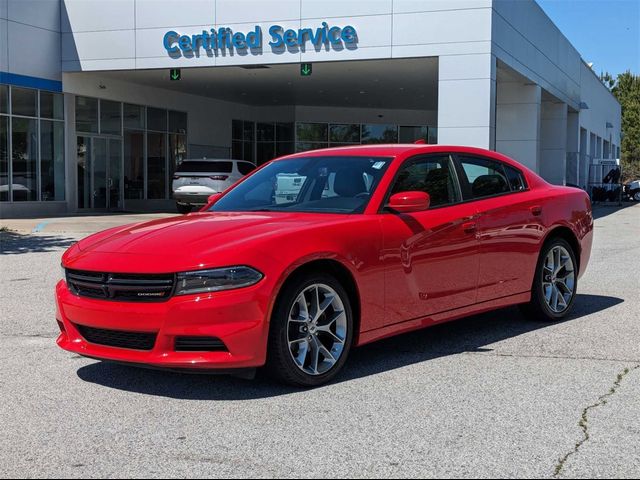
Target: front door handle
(469, 227)
(536, 210)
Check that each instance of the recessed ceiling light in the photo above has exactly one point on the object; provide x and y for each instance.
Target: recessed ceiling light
(362, 92)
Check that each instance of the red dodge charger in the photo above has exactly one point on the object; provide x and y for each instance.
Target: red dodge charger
(319, 252)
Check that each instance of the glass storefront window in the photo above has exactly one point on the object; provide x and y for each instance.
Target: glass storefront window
(52, 160)
(25, 154)
(87, 114)
(177, 152)
(284, 148)
(410, 134)
(133, 116)
(4, 98)
(265, 132)
(433, 135)
(110, 118)
(285, 132)
(156, 119)
(133, 165)
(156, 165)
(24, 101)
(344, 134)
(373, 133)
(4, 159)
(51, 105)
(312, 132)
(177, 122)
(306, 146)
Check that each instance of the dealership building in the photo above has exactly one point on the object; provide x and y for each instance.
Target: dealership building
(101, 100)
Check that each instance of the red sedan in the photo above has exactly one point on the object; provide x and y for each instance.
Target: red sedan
(319, 252)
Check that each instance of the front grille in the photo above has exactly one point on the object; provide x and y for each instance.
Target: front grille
(121, 286)
(118, 338)
(199, 344)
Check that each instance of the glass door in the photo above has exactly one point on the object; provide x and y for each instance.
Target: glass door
(99, 161)
(114, 180)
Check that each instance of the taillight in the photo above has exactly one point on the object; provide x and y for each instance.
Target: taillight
(219, 177)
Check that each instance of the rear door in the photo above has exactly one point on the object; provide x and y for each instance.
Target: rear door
(430, 257)
(509, 225)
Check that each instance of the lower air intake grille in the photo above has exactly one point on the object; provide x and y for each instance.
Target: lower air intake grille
(199, 344)
(118, 338)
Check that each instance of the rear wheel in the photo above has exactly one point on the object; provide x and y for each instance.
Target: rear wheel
(635, 195)
(555, 282)
(311, 331)
(183, 209)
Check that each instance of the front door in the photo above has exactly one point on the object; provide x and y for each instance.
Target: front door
(99, 161)
(431, 257)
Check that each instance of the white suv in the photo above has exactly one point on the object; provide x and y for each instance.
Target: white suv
(196, 179)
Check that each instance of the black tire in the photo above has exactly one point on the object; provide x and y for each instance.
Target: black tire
(635, 195)
(280, 363)
(537, 309)
(183, 209)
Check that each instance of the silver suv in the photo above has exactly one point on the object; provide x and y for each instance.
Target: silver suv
(196, 179)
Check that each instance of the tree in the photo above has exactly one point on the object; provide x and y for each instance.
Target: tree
(626, 88)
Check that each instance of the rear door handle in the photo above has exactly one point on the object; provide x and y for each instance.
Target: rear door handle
(536, 210)
(469, 227)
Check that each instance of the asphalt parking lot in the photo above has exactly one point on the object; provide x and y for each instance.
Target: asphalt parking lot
(488, 396)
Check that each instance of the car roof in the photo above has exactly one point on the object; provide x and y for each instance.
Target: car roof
(395, 149)
(409, 149)
(213, 160)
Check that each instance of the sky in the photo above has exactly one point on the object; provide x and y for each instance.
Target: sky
(605, 32)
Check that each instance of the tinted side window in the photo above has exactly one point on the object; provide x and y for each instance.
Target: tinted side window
(245, 167)
(433, 175)
(516, 179)
(485, 177)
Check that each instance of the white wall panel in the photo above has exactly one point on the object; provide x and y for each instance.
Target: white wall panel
(343, 8)
(4, 59)
(163, 13)
(39, 57)
(442, 27)
(99, 15)
(411, 6)
(98, 45)
(37, 13)
(233, 11)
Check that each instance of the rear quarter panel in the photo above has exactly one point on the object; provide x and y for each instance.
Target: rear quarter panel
(571, 208)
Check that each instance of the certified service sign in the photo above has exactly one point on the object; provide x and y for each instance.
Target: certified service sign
(225, 39)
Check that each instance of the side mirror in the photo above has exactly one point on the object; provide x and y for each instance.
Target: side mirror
(210, 201)
(409, 202)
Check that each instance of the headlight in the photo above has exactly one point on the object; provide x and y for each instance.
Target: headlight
(215, 280)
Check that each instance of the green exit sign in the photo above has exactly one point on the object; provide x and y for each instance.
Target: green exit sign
(175, 74)
(306, 69)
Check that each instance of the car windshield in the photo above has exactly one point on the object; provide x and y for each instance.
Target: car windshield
(331, 184)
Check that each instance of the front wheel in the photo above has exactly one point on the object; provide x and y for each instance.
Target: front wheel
(311, 331)
(555, 283)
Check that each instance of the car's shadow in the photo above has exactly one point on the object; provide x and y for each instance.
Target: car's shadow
(472, 334)
(14, 243)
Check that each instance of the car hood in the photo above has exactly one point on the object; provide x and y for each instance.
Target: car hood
(186, 241)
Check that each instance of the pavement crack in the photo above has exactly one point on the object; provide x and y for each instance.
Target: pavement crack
(583, 423)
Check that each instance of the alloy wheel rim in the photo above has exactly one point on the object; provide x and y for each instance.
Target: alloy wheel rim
(558, 279)
(317, 329)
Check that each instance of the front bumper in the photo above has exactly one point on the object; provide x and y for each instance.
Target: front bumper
(236, 317)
